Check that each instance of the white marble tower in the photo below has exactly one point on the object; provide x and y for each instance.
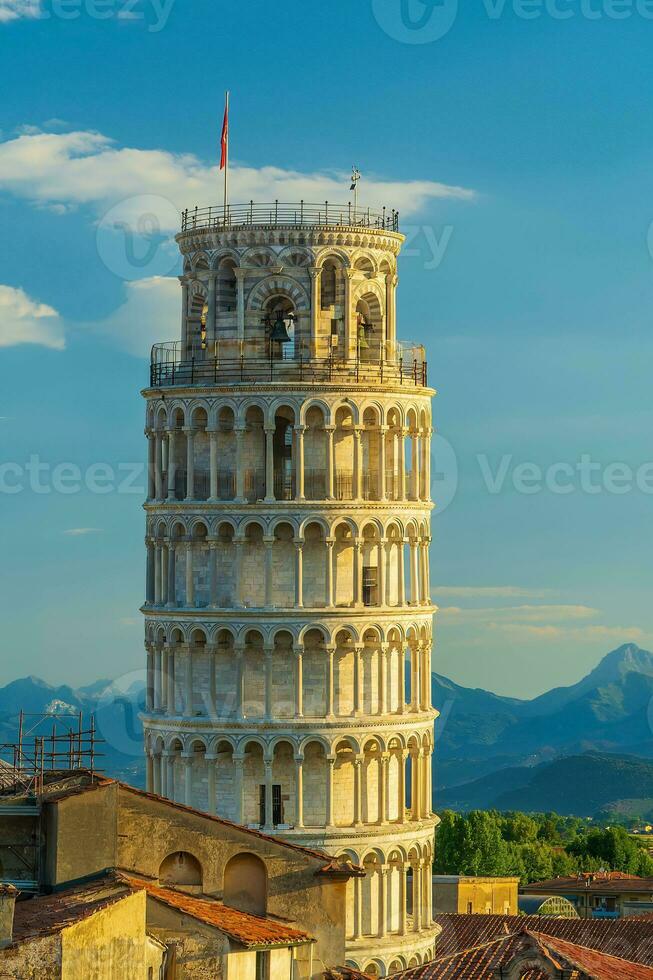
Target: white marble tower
(288, 613)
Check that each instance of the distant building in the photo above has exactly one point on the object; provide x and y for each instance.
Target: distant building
(601, 894)
(474, 895)
(551, 905)
(127, 881)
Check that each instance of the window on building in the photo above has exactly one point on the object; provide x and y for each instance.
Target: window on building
(261, 965)
(277, 805)
(370, 585)
(470, 908)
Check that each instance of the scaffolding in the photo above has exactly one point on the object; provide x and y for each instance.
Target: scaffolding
(39, 755)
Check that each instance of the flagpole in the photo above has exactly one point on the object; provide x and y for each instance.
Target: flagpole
(226, 166)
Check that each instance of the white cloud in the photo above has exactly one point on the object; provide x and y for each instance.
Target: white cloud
(150, 313)
(523, 614)
(78, 532)
(26, 321)
(522, 631)
(490, 592)
(19, 10)
(88, 168)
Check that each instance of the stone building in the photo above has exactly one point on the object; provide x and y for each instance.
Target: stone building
(124, 881)
(288, 618)
(474, 894)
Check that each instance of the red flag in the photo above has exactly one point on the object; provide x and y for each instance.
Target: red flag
(224, 139)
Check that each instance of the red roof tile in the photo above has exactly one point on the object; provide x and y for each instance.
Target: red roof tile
(245, 928)
(484, 961)
(600, 966)
(473, 947)
(630, 938)
(45, 915)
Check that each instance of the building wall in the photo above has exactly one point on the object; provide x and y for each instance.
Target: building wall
(81, 835)
(111, 943)
(149, 831)
(201, 953)
(39, 959)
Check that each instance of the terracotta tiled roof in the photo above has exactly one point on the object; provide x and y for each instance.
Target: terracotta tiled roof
(472, 947)
(330, 866)
(486, 960)
(48, 914)
(630, 938)
(600, 966)
(245, 928)
(612, 882)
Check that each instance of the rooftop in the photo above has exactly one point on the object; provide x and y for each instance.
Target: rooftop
(48, 914)
(491, 958)
(73, 785)
(243, 927)
(610, 882)
(297, 214)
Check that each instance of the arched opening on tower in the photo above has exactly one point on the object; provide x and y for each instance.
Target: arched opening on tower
(284, 453)
(281, 586)
(284, 676)
(314, 560)
(315, 455)
(253, 455)
(371, 449)
(226, 673)
(226, 291)
(226, 453)
(344, 449)
(369, 328)
(279, 320)
(253, 675)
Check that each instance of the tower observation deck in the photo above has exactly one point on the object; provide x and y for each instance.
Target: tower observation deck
(288, 619)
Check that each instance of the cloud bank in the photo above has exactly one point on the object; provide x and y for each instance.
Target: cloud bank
(86, 168)
(26, 321)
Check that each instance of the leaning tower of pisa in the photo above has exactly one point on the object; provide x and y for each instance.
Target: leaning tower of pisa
(288, 613)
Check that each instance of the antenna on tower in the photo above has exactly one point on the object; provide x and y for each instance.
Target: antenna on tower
(355, 177)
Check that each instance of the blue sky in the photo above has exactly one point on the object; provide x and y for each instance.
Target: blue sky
(519, 152)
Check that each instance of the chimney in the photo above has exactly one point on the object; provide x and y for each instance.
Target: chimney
(7, 903)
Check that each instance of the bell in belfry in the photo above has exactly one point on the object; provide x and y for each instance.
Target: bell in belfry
(279, 332)
(364, 331)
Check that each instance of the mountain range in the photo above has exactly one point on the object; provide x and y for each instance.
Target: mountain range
(577, 749)
(115, 710)
(493, 751)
